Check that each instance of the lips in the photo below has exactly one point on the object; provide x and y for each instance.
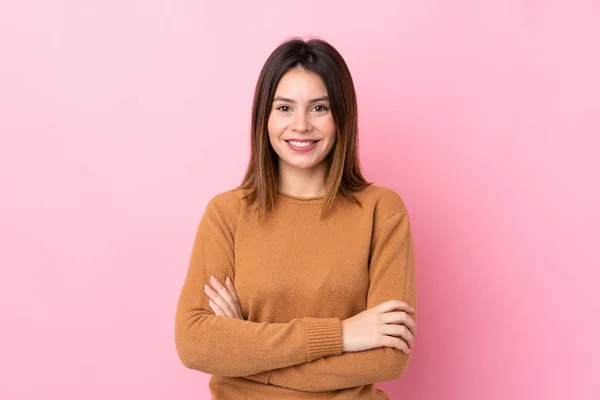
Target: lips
(302, 148)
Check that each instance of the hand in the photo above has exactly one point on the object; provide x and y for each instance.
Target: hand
(223, 300)
(377, 326)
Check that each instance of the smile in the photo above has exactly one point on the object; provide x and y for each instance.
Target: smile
(302, 146)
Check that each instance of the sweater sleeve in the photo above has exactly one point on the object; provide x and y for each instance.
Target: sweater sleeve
(392, 276)
(233, 347)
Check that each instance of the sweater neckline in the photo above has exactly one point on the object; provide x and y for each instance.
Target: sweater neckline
(300, 200)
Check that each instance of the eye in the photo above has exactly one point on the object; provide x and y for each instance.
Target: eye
(320, 107)
(283, 108)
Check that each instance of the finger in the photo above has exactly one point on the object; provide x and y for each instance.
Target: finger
(217, 299)
(400, 331)
(400, 317)
(390, 341)
(391, 305)
(234, 296)
(226, 296)
(216, 308)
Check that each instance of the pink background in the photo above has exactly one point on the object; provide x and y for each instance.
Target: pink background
(120, 119)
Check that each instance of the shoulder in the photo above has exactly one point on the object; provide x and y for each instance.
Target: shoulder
(226, 205)
(228, 199)
(384, 201)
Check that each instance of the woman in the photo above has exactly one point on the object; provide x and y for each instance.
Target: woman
(307, 270)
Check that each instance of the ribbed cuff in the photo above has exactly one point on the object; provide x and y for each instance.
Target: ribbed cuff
(261, 377)
(324, 337)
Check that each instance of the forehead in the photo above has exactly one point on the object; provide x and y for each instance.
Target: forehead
(298, 84)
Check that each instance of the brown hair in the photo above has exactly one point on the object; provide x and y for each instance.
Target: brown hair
(344, 175)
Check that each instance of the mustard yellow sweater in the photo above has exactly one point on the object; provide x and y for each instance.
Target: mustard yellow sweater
(297, 278)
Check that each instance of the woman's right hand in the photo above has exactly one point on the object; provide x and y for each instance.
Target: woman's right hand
(385, 325)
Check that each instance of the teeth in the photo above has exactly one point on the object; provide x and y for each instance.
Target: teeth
(301, 144)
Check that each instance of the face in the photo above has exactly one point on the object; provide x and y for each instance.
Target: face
(301, 127)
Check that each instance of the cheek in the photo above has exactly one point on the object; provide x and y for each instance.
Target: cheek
(329, 128)
(271, 132)
(275, 126)
(326, 123)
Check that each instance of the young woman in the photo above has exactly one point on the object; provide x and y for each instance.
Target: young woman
(301, 283)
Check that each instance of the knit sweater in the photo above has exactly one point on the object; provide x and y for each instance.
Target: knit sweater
(297, 277)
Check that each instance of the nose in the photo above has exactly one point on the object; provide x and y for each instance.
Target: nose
(302, 123)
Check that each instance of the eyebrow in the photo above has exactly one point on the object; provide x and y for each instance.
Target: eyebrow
(285, 99)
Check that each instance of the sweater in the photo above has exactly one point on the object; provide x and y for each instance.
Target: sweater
(297, 277)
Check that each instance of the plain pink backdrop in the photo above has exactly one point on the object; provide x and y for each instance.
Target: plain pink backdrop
(119, 120)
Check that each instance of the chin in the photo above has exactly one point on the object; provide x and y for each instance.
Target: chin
(302, 165)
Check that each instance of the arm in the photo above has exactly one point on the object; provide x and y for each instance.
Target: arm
(234, 347)
(392, 276)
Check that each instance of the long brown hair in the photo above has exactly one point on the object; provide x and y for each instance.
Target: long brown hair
(344, 176)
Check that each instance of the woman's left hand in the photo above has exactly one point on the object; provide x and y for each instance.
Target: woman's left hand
(223, 300)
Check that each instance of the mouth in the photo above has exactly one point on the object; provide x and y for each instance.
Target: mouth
(303, 142)
(302, 145)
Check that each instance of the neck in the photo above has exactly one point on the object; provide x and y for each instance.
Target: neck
(302, 182)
